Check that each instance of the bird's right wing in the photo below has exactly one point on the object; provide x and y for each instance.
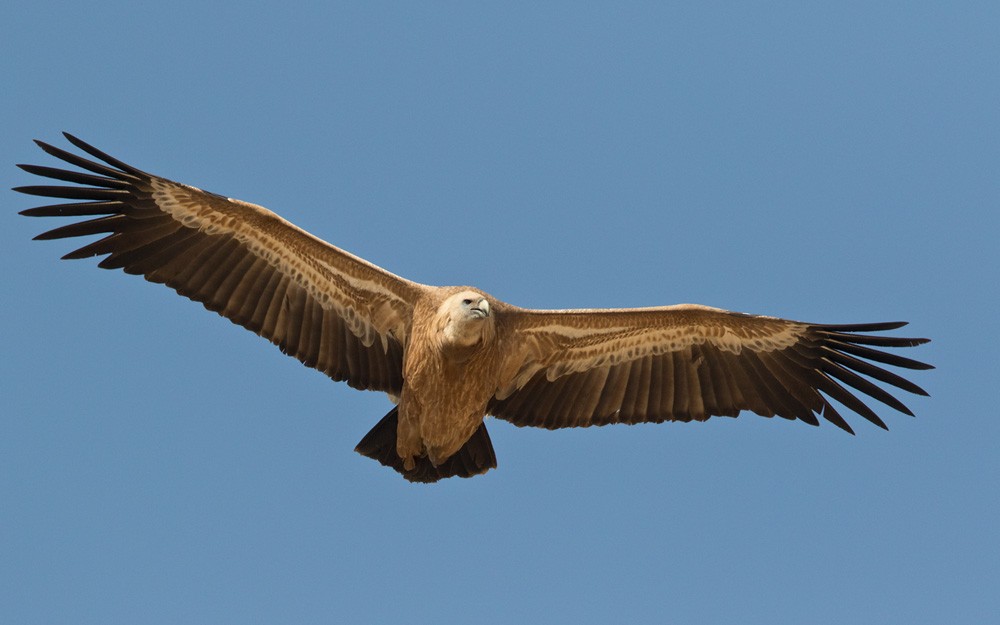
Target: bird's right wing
(333, 311)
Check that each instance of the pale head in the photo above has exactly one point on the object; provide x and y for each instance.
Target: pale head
(466, 318)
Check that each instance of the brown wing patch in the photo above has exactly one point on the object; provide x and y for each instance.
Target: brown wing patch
(690, 363)
(332, 311)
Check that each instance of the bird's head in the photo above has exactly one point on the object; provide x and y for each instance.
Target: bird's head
(467, 318)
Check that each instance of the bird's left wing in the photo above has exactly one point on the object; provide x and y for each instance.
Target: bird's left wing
(687, 362)
(333, 311)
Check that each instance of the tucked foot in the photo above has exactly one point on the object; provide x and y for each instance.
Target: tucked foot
(475, 457)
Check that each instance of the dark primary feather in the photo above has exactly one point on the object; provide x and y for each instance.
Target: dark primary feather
(216, 270)
(702, 381)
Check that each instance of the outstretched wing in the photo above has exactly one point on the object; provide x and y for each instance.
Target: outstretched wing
(333, 311)
(687, 362)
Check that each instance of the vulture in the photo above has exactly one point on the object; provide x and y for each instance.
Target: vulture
(450, 356)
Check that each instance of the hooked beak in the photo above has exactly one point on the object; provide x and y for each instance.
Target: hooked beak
(482, 309)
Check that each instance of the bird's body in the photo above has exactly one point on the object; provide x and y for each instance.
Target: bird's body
(450, 356)
(448, 368)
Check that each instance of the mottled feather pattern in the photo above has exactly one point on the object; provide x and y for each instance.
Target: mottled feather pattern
(239, 260)
(698, 377)
(452, 355)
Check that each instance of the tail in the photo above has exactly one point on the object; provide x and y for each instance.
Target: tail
(475, 457)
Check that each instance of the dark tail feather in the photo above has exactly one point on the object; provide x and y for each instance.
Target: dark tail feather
(475, 457)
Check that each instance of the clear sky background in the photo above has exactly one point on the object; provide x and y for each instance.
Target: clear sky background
(830, 162)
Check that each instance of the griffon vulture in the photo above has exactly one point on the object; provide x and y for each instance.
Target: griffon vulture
(449, 356)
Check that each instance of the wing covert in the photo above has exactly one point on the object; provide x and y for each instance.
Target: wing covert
(333, 311)
(689, 363)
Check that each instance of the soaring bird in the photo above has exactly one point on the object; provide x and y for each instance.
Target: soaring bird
(450, 356)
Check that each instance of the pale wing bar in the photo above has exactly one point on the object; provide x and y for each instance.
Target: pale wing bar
(701, 380)
(217, 269)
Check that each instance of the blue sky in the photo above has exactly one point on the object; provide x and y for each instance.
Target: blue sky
(824, 162)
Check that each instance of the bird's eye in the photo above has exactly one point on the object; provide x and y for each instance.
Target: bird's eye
(466, 301)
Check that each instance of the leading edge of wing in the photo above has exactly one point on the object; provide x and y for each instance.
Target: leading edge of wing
(689, 362)
(238, 259)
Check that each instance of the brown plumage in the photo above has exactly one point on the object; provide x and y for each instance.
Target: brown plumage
(452, 355)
